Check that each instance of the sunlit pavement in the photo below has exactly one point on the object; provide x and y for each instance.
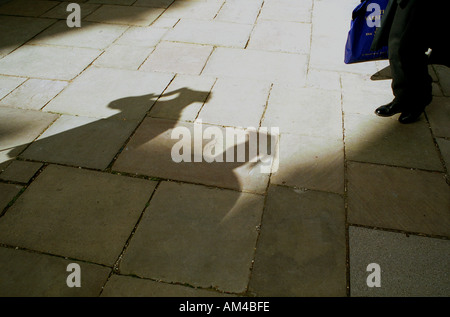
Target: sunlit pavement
(357, 205)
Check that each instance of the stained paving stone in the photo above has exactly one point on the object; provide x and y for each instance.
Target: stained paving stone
(8, 84)
(199, 10)
(410, 265)
(184, 98)
(215, 33)
(81, 141)
(236, 102)
(27, 7)
(289, 109)
(127, 286)
(20, 127)
(196, 235)
(372, 139)
(149, 152)
(237, 11)
(261, 65)
(323, 79)
(50, 216)
(90, 35)
(142, 36)
(289, 37)
(438, 113)
(398, 198)
(444, 147)
(48, 62)
(34, 94)
(20, 171)
(181, 58)
(30, 274)
(118, 93)
(443, 75)
(303, 236)
(14, 31)
(7, 193)
(125, 15)
(120, 56)
(310, 162)
(154, 3)
(288, 11)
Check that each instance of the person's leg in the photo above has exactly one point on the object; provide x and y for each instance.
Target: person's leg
(411, 83)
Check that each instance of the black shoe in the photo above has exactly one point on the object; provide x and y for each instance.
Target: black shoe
(390, 109)
(412, 115)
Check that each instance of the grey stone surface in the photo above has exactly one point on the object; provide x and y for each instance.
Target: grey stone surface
(196, 235)
(127, 286)
(30, 274)
(301, 248)
(27, 7)
(369, 138)
(8, 84)
(118, 93)
(149, 152)
(81, 141)
(20, 171)
(411, 266)
(438, 113)
(125, 15)
(398, 198)
(7, 193)
(76, 213)
(47, 62)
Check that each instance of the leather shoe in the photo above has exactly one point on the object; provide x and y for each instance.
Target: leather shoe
(410, 116)
(389, 110)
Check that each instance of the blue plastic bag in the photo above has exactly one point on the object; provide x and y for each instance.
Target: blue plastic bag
(365, 19)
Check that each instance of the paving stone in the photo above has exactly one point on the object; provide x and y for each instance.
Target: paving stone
(205, 10)
(150, 149)
(120, 56)
(253, 64)
(127, 286)
(438, 113)
(443, 74)
(236, 102)
(410, 265)
(166, 23)
(81, 141)
(142, 36)
(154, 3)
(50, 216)
(47, 62)
(323, 79)
(90, 35)
(288, 11)
(136, 16)
(361, 83)
(30, 274)
(117, 93)
(20, 171)
(289, 37)
(196, 235)
(183, 99)
(398, 198)
(7, 193)
(14, 31)
(237, 11)
(358, 102)
(310, 162)
(444, 146)
(119, 2)
(210, 32)
(379, 140)
(34, 94)
(20, 127)
(182, 58)
(60, 11)
(8, 84)
(289, 109)
(27, 7)
(303, 237)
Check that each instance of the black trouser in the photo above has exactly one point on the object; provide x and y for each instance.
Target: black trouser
(409, 39)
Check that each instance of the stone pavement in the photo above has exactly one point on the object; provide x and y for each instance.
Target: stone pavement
(87, 175)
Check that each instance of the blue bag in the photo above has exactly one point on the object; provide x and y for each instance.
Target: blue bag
(365, 18)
